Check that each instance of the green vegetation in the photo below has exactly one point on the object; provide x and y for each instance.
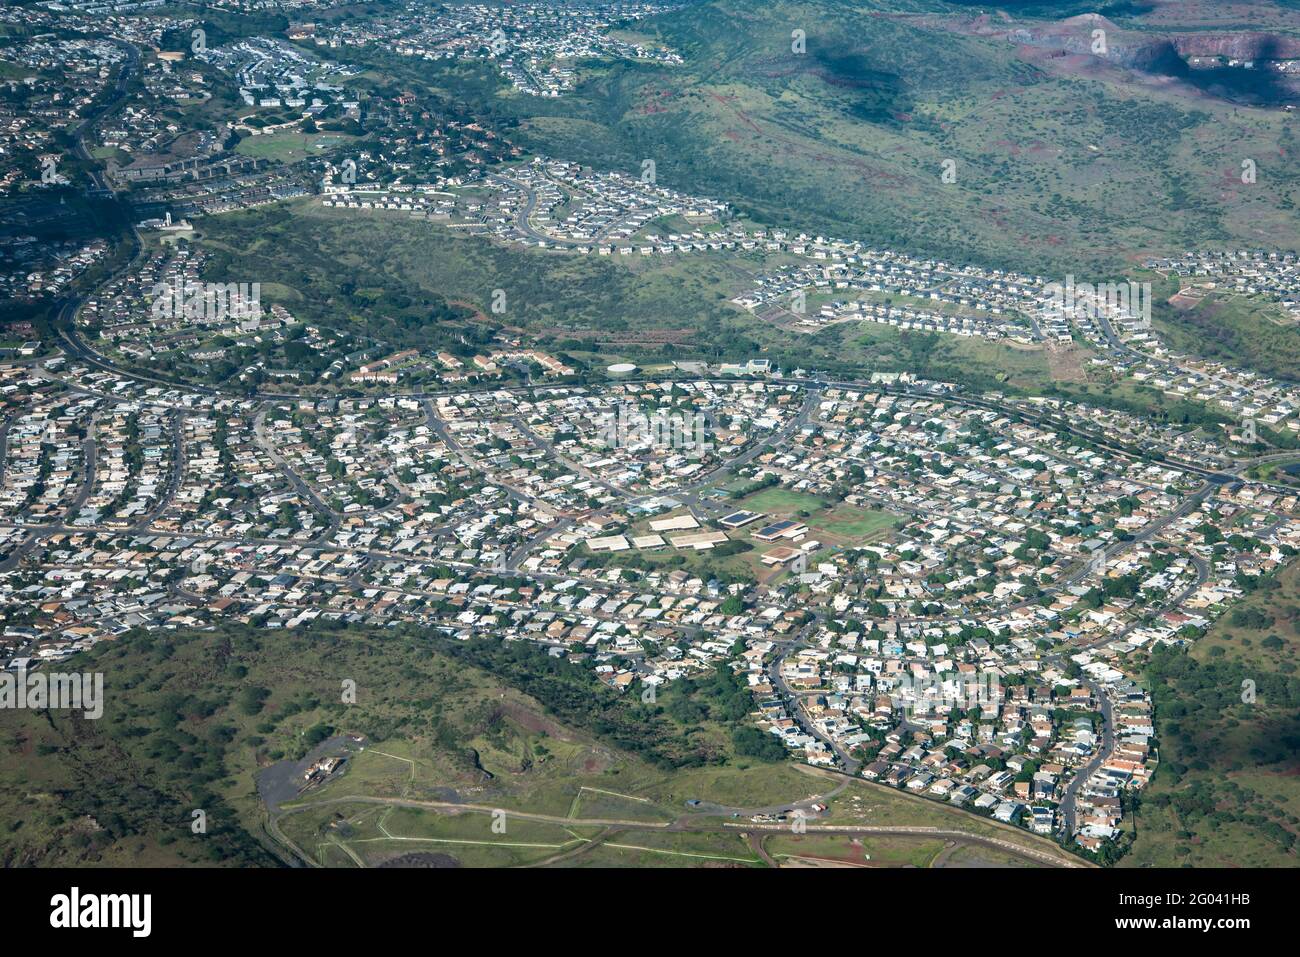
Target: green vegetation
(1234, 330)
(1228, 733)
(195, 720)
(782, 502)
(288, 146)
(856, 525)
(122, 788)
(413, 283)
(687, 724)
(1057, 171)
(844, 850)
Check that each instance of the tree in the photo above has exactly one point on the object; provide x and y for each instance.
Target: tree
(732, 605)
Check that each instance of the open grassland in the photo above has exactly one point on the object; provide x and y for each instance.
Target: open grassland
(868, 804)
(848, 851)
(655, 828)
(1263, 632)
(640, 849)
(438, 726)
(853, 526)
(782, 503)
(387, 276)
(289, 146)
(1233, 329)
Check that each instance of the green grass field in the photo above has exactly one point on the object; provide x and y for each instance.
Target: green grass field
(604, 827)
(854, 525)
(289, 146)
(780, 502)
(846, 850)
(1263, 631)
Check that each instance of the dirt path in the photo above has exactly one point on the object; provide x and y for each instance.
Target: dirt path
(686, 825)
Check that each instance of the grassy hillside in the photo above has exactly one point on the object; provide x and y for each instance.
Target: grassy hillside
(1234, 329)
(1225, 793)
(1062, 164)
(417, 284)
(398, 276)
(445, 739)
(190, 718)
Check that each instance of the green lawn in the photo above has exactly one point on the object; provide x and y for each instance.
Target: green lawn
(858, 524)
(289, 146)
(868, 851)
(780, 502)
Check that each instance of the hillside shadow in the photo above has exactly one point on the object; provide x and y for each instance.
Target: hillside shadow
(1259, 86)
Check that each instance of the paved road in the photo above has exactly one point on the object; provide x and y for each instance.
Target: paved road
(77, 349)
(175, 473)
(74, 346)
(4, 445)
(1071, 794)
(1107, 749)
(523, 221)
(296, 481)
(690, 496)
(34, 533)
(110, 104)
(794, 699)
(516, 558)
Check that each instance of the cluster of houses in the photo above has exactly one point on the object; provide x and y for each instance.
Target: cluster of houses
(969, 301)
(634, 438)
(534, 45)
(148, 144)
(61, 75)
(30, 269)
(1127, 343)
(1016, 568)
(1243, 394)
(572, 207)
(945, 596)
(1268, 274)
(44, 457)
(134, 448)
(1186, 443)
(555, 204)
(164, 312)
(273, 73)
